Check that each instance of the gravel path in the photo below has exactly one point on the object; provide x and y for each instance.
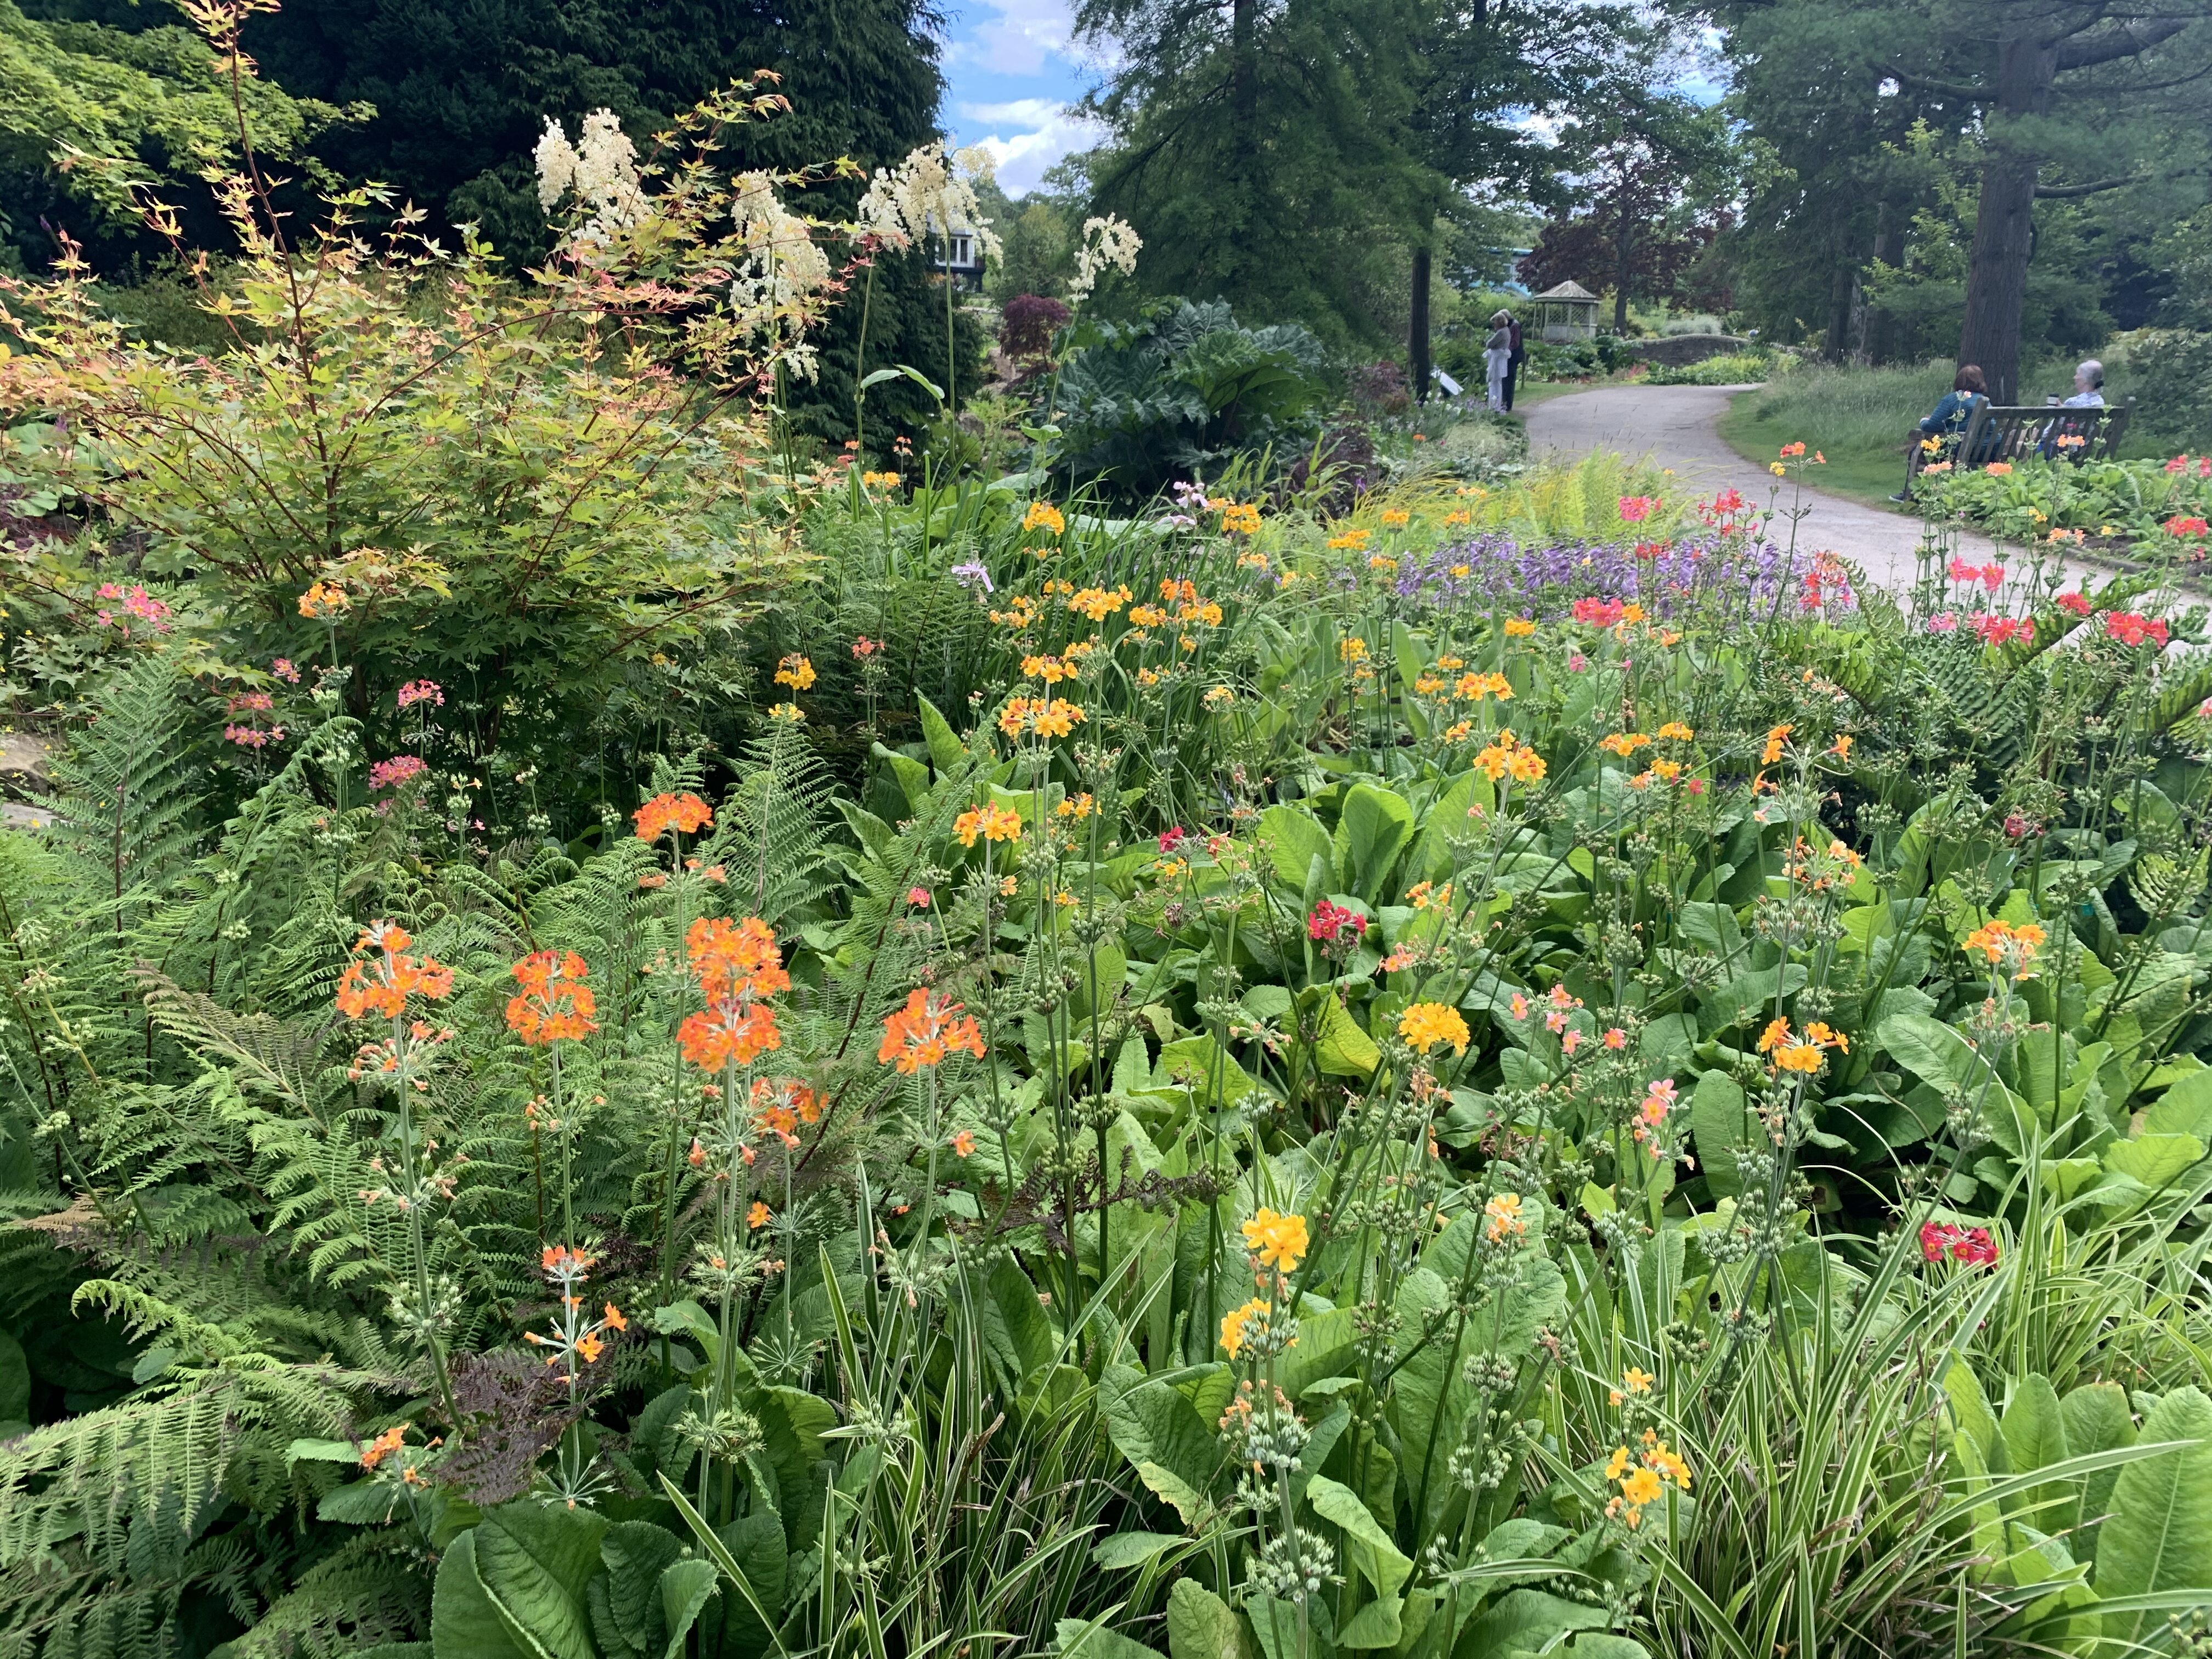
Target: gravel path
(1678, 426)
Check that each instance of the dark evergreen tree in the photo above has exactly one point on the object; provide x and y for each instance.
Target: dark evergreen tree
(461, 89)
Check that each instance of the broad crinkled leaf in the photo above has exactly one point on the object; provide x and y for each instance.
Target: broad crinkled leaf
(2159, 1536)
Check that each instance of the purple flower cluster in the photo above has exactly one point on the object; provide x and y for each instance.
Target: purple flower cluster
(1544, 581)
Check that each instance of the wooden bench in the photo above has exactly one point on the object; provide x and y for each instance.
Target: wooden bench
(1998, 432)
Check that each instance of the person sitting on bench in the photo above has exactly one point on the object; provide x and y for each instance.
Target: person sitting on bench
(1947, 423)
(2088, 393)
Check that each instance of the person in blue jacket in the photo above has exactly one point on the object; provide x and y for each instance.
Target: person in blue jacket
(1946, 422)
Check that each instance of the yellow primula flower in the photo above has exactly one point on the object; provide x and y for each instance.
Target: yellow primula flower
(1276, 1241)
(1425, 1024)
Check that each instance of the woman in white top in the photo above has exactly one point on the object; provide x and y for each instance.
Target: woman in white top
(2088, 393)
(1497, 354)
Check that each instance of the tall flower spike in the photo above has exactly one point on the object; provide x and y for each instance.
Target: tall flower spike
(927, 1032)
(382, 976)
(685, 812)
(554, 1002)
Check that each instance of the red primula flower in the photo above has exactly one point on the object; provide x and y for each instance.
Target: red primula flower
(1330, 921)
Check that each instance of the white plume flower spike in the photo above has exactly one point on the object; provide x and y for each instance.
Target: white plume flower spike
(931, 189)
(1109, 243)
(556, 165)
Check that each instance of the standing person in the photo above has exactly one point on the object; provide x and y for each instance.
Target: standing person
(1497, 356)
(1514, 361)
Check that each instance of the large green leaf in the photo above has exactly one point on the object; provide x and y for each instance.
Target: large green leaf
(2183, 1109)
(2097, 1420)
(756, 1542)
(2159, 1536)
(523, 1573)
(1203, 1066)
(1153, 1422)
(946, 751)
(1366, 1546)
(1076, 1637)
(2157, 1161)
(1294, 838)
(1447, 818)
(1717, 1119)
(625, 1597)
(464, 1624)
(2034, 1430)
(686, 1589)
(792, 1422)
(1200, 1625)
(1530, 1619)
(1342, 1048)
(1371, 830)
(1380, 1624)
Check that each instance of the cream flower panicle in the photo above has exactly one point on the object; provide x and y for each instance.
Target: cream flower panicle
(931, 190)
(601, 170)
(779, 271)
(1109, 243)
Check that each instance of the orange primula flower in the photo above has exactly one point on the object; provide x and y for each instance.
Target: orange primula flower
(384, 1446)
(686, 812)
(728, 1032)
(991, 821)
(554, 1002)
(735, 959)
(737, 965)
(382, 983)
(926, 1033)
(780, 1105)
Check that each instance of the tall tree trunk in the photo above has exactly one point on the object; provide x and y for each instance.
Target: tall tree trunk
(1624, 261)
(1417, 346)
(1838, 344)
(2004, 227)
(1881, 327)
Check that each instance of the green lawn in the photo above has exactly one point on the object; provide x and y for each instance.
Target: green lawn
(1863, 466)
(1858, 418)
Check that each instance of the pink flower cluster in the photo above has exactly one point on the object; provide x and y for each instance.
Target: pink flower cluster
(1604, 613)
(250, 736)
(1990, 576)
(2128, 628)
(1970, 1247)
(2180, 463)
(135, 602)
(1331, 922)
(1635, 509)
(1996, 630)
(390, 773)
(417, 691)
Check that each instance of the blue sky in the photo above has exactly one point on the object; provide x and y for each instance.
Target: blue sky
(1011, 73)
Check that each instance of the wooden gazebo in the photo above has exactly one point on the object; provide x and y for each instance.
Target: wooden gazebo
(1559, 314)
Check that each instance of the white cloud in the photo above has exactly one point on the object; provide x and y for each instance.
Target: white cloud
(1019, 111)
(1021, 38)
(1023, 157)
